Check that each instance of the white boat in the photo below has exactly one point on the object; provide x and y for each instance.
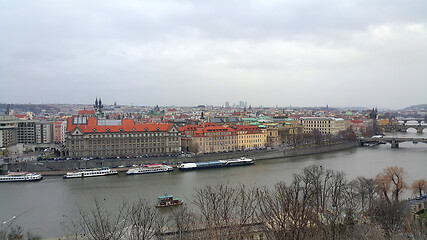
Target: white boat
(151, 168)
(239, 162)
(96, 172)
(20, 177)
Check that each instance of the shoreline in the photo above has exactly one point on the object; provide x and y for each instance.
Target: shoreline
(59, 168)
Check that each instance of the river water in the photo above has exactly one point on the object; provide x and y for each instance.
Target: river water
(40, 207)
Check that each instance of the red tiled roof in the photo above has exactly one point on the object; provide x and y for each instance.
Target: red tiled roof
(356, 121)
(195, 127)
(128, 125)
(20, 115)
(211, 129)
(247, 128)
(86, 112)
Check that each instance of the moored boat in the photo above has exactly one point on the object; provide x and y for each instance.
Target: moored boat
(215, 164)
(21, 177)
(96, 172)
(239, 162)
(151, 168)
(168, 201)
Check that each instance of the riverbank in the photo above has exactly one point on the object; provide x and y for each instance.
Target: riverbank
(59, 168)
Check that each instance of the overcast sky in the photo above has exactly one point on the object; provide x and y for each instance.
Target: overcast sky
(298, 52)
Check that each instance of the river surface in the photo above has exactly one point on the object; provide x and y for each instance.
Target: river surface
(40, 207)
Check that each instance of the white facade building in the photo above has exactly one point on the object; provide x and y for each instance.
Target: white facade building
(325, 125)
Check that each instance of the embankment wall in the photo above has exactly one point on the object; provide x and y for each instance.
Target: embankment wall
(68, 165)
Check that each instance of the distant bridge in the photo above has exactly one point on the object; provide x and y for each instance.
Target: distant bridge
(405, 120)
(402, 128)
(393, 141)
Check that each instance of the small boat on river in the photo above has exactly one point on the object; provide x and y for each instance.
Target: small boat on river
(20, 177)
(150, 168)
(96, 172)
(168, 201)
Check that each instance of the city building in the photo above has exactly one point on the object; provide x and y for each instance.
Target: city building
(27, 132)
(59, 129)
(8, 131)
(215, 139)
(92, 137)
(44, 132)
(250, 136)
(325, 125)
(273, 138)
(290, 132)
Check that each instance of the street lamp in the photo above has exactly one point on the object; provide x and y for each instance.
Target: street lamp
(9, 220)
(3, 223)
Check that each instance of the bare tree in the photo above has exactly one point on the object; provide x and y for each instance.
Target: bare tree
(390, 216)
(364, 192)
(144, 221)
(183, 224)
(396, 176)
(419, 186)
(383, 186)
(338, 207)
(102, 223)
(217, 205)
(98, 222)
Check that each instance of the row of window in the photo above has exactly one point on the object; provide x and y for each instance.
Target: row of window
(112, 152)
(120, 135)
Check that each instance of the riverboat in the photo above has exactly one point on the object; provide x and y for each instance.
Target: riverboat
(150, 168)
(239, 162)
(96, 172)
(20, 177)
(216, 164)
(168, 201)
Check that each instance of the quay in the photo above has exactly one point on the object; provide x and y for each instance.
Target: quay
(61, 167)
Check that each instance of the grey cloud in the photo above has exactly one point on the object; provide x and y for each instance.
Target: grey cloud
(149, 52)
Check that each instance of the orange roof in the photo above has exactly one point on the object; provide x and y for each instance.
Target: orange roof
(356, 121)
(211, 129)
(86, 112)
(195, 127)
(128, 125)
(247, 128)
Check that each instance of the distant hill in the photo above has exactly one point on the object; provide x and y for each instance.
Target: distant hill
(22, 108)
(419, 107)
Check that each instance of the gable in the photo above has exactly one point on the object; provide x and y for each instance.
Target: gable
(77, 132)
(173, 129)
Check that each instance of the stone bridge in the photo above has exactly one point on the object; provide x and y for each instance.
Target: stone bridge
(393, 141)
(402, 128)
(405, 120)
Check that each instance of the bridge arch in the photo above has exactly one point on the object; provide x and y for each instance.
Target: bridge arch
(411, 129)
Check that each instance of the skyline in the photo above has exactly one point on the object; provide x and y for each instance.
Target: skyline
(231, 106)
(267, 53)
